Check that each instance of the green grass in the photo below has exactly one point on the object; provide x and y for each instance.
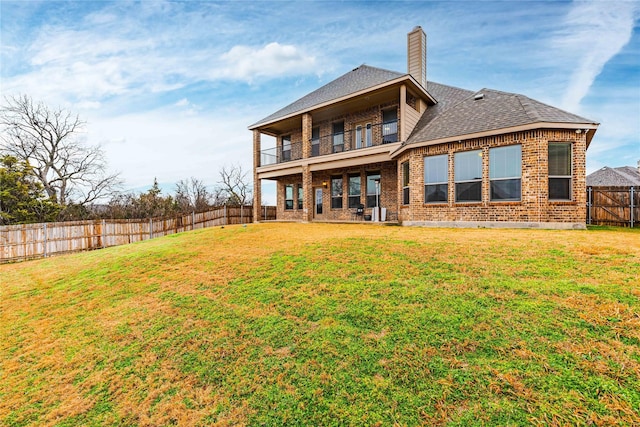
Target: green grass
(317, 324)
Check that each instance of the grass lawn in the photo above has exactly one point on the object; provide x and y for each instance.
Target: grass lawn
(326, 324)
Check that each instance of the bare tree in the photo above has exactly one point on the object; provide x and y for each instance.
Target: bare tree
(69, 170)
(234, 184)
(192, 195)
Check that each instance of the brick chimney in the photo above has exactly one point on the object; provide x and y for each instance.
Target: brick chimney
(417, 55)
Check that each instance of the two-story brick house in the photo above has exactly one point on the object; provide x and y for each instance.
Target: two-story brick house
(427, 153)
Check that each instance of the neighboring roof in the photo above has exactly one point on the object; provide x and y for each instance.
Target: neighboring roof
(492, 111)
(361, 78)
(626, 176)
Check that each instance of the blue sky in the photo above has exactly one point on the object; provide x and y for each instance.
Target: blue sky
(169, 88)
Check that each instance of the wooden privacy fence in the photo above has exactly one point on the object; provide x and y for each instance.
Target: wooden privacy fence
(25, 241)
(613, 206)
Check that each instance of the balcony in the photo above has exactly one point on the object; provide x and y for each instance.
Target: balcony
(356, 139)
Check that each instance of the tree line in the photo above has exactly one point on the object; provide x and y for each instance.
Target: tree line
(48, 173)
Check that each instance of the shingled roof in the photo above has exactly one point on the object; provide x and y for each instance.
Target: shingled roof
(482, 111)
(361, 78)
(625, 176)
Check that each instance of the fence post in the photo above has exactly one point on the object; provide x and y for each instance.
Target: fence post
(104, 225)
(631, 214)
(44, 246)
(225, 214)
(150, 228)
(589, 204)
(241, 211)
(265, 212)
(193, 220)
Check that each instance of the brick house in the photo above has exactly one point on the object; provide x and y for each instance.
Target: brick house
(392, 146)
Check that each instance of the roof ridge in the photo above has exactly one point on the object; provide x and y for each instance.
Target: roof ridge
(624, 174)
(528, 107)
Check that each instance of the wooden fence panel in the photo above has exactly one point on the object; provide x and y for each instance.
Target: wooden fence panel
(25, 241)
(618, 206)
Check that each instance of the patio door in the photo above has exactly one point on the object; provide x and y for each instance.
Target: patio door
(363, 135)
(318, 202)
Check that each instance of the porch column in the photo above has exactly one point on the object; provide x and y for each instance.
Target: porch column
(403, 109)
(307, 197)
(306, 135)
(257, 183)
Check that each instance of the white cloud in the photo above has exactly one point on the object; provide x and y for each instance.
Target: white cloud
(594, 32)
(170, 146)
(273, 60)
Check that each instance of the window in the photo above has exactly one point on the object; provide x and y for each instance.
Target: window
(300, 196)
(505, 172)
(468, 176)
(405, 183)
(389, 126)
(373, 193)
(286, 148)
(354, 191)
(338, 137)
(358, 136)
(436, 178)
(336, 193)
(288, 197)
(315, 142)
(559, 171)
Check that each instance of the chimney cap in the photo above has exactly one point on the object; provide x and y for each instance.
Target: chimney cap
(416, 28)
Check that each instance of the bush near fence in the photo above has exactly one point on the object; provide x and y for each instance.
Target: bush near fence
(26, 241)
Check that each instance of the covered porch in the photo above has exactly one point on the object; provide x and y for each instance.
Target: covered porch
(359, 193)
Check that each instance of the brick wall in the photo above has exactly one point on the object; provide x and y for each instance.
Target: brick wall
(534, 205)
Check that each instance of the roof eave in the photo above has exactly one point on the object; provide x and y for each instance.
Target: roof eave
(406, 77)
(590, 129)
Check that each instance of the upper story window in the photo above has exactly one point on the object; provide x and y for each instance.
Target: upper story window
(288, 197)
(436, 178)
(559, 171)
(315, 141)
(373, 189)
(338, 137)
(286, 148)
(389, 126)
(405, 183)
(354, 191)
(468, 176)
(505, 172)
(336, 192)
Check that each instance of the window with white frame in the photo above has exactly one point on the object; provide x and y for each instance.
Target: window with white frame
(505, 173)
(336, 192)
(436, 178)
(468, 176)
(405, 183)
(559, 171)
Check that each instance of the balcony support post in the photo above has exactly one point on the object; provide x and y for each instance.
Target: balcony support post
(403, 112)
(257, 183)
(307, 197)
(307, 124)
